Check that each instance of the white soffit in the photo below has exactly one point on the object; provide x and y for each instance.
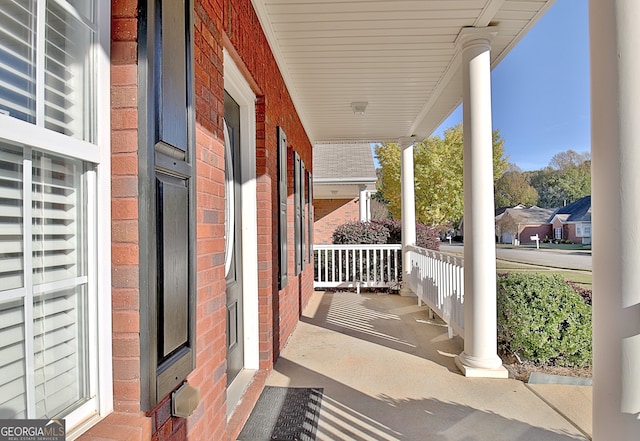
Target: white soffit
(398, 56)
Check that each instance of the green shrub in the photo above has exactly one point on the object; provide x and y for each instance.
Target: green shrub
(427, 237)
(543, 320)
(374, 233)
(360, 233)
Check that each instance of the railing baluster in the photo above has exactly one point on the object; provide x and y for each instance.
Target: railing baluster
(353, 267)
(375, 266)
(346, 266)
(326, 266)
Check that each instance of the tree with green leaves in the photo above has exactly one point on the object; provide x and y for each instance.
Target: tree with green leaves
(438, 176)
(566, 179)
(513, 188)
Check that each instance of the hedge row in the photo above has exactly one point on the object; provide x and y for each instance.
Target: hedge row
(386, 231)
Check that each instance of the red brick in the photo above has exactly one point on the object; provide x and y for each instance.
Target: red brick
(124, 29)
(124, 118)
(126, 369)
(125, 277)
(126, 346)
(126, 321)
(120, 427)
(124, 165)
(124, 231)
(124, 96)
(124, 52)
(124, 75)
(124, 254)
(124, 141)
(124, 208)
(126, 390)
(124, 8)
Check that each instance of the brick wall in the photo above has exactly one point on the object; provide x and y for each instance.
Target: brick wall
(542, 231)
(279, 311)
(127, 422)
(124, 207)
(331, 213)
(217, 24)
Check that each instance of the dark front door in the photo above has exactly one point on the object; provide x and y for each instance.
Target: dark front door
(233, 239)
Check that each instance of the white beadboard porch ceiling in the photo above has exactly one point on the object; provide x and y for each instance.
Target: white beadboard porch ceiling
(398, 55)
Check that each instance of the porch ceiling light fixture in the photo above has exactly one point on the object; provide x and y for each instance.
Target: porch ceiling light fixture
(359, 108)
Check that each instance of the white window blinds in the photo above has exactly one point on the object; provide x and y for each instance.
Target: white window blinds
(11, 218)
(45, 70)
(17, 59)
(43, 297)
(13, 381)
(57, 218)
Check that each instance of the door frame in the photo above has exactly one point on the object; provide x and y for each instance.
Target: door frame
(238, 88)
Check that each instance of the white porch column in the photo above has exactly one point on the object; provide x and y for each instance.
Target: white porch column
(368, 206)
(615, 153)
(480, 356)
(407, 188)
(363, 203)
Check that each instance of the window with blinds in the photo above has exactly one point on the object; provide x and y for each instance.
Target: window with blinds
(45, 71)
(43, 290)
(48, 215)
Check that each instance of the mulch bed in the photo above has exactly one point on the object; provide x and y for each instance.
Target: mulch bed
(522, 370)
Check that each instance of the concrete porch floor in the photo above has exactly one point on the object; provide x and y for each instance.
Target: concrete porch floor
(388, 374)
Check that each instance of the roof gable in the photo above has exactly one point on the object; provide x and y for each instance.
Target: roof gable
(528, 215)
(343, 163)
(578, 211)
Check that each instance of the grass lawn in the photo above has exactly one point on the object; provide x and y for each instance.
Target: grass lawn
(550, 246)
(582, 278)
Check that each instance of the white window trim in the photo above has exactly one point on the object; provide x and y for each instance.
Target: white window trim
(103, 209)
(238, 88)
(100, 259)
(46, 140)
(103, 267)
(557, 230)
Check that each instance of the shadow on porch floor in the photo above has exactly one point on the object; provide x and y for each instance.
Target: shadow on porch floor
(388, 374)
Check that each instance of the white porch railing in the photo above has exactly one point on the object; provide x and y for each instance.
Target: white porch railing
(357, 266)
(438, 280)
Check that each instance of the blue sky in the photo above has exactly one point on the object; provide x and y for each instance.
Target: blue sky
(540, 90)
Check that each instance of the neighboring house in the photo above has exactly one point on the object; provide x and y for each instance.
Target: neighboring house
(343, 180)
(572, 222)
(518, 224)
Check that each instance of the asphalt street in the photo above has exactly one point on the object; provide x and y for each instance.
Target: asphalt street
(556, 258)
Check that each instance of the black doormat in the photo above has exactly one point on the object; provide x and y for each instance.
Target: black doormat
(284, 414)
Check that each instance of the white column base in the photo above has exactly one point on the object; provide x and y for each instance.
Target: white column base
(405, 291)
(474, 368)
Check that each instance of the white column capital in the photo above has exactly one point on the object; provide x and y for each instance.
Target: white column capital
(406, 141)
(471, 36)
